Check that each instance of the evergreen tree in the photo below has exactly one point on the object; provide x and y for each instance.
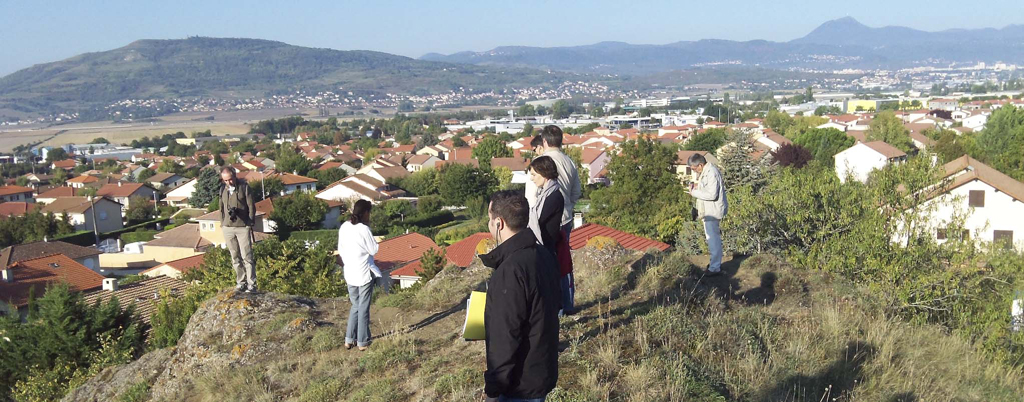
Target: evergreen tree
(207, 187)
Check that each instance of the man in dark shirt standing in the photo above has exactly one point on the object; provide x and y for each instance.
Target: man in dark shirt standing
(521, 314)
(237, 216)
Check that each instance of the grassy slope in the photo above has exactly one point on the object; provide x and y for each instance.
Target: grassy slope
(649, 330)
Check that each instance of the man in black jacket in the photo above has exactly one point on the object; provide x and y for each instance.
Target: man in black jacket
(521, 314)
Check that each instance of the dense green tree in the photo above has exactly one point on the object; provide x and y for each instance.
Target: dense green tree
(737, 166)
(458, 141)
(710, 140)
(429, 204)
(490, 147)
(144, 175)
(65, 335)
(526, 110)
(1002, 140)
(33, 226)
(289, 160)
(56, 154)
(641, 166)
(824, 143)
(889, 128)
(457, 183)
(298, 211)
(561, 109)
(428, 139)
(431, 262)
(140, 209)
(420, 183)
(207, 187)
(326, 177)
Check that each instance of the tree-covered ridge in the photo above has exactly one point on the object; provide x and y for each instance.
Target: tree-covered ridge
(200, 66)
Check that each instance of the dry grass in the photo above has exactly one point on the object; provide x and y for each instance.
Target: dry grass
(650, 332)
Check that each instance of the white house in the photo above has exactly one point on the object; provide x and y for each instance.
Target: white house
(976, 121)
(355, 187)
(294, 182)
(993, 203)
(178, 197)
(421, 161)
(861, 159)
(773, 140)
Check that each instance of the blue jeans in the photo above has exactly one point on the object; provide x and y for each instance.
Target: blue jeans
(359, 315)
(568, 281)
(713, 234)
(505, 399)
(568, 294)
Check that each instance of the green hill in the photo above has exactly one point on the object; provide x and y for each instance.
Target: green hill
(227, 67)
(650, 329)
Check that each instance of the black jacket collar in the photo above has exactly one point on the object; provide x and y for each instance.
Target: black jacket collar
(519, 241)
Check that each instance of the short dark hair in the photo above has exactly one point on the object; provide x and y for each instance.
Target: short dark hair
(230, 170)
(553, 135)
(696, 159)
(511, 206)
(545, 166)
(536, 141)
(360, 209)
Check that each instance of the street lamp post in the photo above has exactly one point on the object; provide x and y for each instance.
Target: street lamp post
(95, 224)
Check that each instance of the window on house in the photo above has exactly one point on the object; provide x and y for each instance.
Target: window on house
(940, 234)
(1005, 237)
(976, 198)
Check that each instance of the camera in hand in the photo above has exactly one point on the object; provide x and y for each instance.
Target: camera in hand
(234, 213)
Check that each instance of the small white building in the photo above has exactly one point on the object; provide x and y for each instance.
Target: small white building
(993, 203)
(178, 197)
(864, 157)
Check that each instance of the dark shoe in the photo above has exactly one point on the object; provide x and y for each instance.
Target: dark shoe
(251, 289)
(348, 346)
(709, 273)
(241, 288)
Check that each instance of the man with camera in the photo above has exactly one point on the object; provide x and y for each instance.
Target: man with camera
(237, 215)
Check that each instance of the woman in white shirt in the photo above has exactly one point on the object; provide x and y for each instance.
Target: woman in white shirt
(356, 247)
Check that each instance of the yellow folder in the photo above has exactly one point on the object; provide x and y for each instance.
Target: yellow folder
(473, 329)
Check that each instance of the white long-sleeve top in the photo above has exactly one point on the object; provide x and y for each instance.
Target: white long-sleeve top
(356, 247)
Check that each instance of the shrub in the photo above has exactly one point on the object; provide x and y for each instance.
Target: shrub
(602, 242)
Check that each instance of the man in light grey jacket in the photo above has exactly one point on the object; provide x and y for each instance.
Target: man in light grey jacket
(549, 143)
(711, 203)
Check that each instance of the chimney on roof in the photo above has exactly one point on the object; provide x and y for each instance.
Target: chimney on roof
(7, 274)
(119, 184)
(110, 284)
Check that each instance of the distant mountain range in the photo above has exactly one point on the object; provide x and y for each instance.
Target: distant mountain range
(836, 44)
(227, 67)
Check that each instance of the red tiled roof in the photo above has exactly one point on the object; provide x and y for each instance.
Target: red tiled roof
(8, 190)
(182, 265)
(16, 208)
(142, 294)
(581, 235)
(288, 178)
(885, 149)
(329, 165)
(399, 250)
(461, 253)
(83, 179)
(119, 189)
(65, 164)
(40, 272)
(411, 269)
(513, 164)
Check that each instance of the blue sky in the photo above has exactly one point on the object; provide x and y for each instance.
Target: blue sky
(34, 32)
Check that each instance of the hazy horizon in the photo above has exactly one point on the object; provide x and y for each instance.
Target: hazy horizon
(42, 33)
